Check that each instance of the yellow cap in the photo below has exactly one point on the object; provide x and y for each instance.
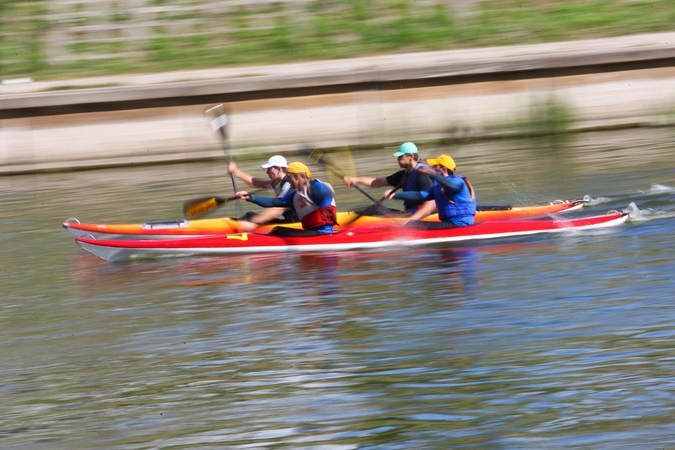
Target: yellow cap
(297, 167)
(443, 160)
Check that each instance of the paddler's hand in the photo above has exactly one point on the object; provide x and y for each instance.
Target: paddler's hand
(388, 194)
(426, 170)
(349, 181)
(243, 195)
(245, 225)
(232, 168)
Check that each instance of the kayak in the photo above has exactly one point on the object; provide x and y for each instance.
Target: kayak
(357, 238)
(203, 227)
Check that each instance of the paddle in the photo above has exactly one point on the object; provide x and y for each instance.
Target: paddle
(201, 206)
(374, 206)
(198, 207)
(219, 123)
(318, 157)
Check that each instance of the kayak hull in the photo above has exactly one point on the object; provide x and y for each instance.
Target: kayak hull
(204, 227)
(357, 238)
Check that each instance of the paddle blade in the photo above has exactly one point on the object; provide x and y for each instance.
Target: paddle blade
(337, 165)
(346, 161)
(336, 175)
(315, 156)
(202, 206)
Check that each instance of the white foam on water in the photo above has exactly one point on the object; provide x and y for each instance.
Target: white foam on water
(596, 200)
(660, 188)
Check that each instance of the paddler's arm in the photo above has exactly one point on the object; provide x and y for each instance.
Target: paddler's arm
(424, 210)
(246, 178)
(320, 193)
(268, 202)
(453, 184)
(267, 215)
(366, 181)
(414, 196)
(260, 218)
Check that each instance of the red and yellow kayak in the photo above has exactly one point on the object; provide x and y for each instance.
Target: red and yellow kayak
(205, 227)
(364, 237)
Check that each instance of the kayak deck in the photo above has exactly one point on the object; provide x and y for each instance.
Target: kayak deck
(204, 227)
(362, 237)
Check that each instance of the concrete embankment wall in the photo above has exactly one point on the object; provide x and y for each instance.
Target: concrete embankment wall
(367, 101)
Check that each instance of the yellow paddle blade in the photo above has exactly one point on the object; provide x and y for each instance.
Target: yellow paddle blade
(346, 161)
(200, 207)
(338, 164)
(315, 155)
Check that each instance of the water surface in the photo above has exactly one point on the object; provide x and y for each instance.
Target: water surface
(561, 341)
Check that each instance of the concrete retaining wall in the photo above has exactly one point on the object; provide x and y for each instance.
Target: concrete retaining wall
(365, 117)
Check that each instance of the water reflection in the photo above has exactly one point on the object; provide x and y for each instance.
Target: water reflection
(320, 273)
(459, 268)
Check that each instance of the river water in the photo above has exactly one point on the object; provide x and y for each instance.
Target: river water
(559, 341)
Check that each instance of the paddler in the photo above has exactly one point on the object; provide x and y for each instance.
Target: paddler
(408, 179)
(312, 200)
(453, 194)
(275, 167)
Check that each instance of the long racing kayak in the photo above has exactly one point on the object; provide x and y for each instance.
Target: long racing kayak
(363, 237)
(203, 227)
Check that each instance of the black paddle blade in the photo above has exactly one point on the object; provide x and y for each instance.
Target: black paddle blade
(201, 206)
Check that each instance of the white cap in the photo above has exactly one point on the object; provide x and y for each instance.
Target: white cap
(275, 161)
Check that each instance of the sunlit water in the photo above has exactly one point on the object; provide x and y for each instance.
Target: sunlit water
(560, 341)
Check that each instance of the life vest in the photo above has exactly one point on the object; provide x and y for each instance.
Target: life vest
(455, 205)
(312, 215)
(319, 218)
(409, 183)
(282, 188)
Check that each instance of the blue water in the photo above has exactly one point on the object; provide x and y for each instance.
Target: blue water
(559, 341)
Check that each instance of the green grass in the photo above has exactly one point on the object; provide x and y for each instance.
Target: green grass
(279, 32)
(545, 116)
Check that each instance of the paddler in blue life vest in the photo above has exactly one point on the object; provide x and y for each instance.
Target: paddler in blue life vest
(408, 179)
(312, 200)
(453, 194)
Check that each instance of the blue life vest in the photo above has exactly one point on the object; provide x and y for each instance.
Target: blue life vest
(457, 205)
(409, 182)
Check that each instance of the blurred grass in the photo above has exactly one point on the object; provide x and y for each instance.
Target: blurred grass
(547, 115)
(59, 39)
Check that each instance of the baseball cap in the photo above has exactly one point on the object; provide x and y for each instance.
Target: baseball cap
(275, 161)
(443, 160)
(405, 149)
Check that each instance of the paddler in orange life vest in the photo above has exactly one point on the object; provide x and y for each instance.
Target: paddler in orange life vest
(453, 194)
(312, 200)
(408, 179)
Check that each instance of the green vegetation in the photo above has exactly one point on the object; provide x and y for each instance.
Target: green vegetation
(549, 116)
(57, 39)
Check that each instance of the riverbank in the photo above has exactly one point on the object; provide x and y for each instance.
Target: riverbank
(442, 95)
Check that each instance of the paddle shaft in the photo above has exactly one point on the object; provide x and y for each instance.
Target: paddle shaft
(221, 123)
(377, 203)
(228, 153)
(364, 193)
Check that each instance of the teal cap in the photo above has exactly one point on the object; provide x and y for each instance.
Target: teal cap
(405, 149)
